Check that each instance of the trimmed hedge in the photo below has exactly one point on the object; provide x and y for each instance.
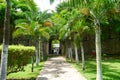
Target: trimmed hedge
(18, 57)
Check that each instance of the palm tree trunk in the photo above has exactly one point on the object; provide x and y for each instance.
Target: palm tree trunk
(49, 43)
(62, 47)
(39, 49)
(32, 62)
(37, 52)
(43, 51)
(76, 54)
(4, 56)
(66, 49)
(47, 48)
(71, 54)
(69, 49)
(82, 54)
(98, 53)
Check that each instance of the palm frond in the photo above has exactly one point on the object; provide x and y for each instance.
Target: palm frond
(28, 15)
(21, 21)
(22, 26)
(44, 32)
(19, 32)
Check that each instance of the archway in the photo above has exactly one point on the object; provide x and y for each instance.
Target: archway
(56, 47)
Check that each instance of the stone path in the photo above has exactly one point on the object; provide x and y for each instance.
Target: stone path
(58, 69)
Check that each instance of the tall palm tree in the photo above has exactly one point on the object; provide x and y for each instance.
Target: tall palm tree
(98, 13)
(4, 56)
(79, 28)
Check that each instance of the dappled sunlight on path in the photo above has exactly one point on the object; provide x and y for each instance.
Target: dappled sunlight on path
(57, 68)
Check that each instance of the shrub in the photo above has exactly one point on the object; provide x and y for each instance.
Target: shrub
(18, 57)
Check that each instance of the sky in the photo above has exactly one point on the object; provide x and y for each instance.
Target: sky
(45, 5)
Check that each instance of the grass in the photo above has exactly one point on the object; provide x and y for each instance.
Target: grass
(110, 69)
(27, 74)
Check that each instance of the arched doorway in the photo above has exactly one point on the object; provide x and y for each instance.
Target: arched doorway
(56, 47)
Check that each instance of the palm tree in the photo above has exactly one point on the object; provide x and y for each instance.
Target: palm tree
(33, 26)
(4, 56)
(79, 28)
(98, 13)
(32, 29)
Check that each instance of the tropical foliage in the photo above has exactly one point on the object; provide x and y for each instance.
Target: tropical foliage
(76, 23)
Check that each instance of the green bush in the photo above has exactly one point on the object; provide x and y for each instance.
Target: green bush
(18, 57)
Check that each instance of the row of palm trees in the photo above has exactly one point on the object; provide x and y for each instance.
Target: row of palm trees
(72, 19)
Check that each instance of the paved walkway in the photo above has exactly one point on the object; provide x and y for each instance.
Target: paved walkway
(58, 69)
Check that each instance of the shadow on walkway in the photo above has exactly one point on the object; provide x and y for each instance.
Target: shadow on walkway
(57, 68)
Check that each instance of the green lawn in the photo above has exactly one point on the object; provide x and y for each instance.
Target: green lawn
(111, 69)
(27, 74)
